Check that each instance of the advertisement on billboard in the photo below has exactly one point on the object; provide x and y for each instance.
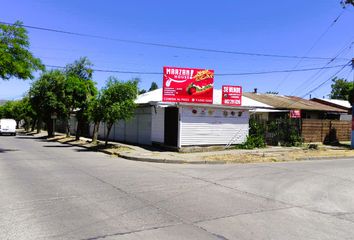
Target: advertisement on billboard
(231, 95)
(187, 85)
(295, 114)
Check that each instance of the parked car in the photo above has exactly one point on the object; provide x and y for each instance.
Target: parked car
(7, 126)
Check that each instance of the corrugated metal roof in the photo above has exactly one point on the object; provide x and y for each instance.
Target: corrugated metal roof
(338, 102)
(156, 96)
(291, 102)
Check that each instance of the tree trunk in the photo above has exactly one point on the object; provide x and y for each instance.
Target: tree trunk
(67, 129)
(78, 129)
(26, 124)
(33, 125)
(39, 125)
(50, 128)
(109, 127)
(96, 127)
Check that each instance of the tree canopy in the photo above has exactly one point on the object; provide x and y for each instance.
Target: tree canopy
(16, 60)
(95, 112)
(63, 92)
(79, 90)
(47, 96)
(153, 86)
(347, 2)
(79, 86)
(118, 101)
(341, 89)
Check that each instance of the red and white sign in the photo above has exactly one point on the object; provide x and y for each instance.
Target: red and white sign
(295, 114)
(187, 85)
(231, 95)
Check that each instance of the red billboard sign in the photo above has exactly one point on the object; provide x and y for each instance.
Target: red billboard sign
(187, 85)
(231, 95)
(295, 114)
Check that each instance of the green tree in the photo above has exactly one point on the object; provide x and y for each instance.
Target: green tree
(142, 91)
(7, 110)
(12, 110)
(347, 2)
(341, 89)
(16, 60)
(17, 111)
(47, 97)
(28, 115)
(153, 86)
(79, 90)
(118, 101)
(96, 115)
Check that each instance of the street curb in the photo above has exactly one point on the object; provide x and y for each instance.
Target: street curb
(164, 160)
(175, 161)
(323, 158)
(143, 159)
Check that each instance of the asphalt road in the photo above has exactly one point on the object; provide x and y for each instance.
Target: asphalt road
(55, 191)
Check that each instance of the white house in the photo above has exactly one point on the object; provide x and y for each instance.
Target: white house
(185, 124)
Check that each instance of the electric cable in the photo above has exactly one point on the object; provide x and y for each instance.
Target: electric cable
(216, 74)
(162, 44)
(320, 85)
(311, 48)
(315, 76)
(324, 82)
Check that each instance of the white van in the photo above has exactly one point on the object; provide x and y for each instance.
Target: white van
(7, 126)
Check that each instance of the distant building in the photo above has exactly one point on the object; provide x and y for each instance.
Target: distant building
(308, 109)
(337, 103)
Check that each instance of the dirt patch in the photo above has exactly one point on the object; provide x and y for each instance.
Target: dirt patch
(293, 155)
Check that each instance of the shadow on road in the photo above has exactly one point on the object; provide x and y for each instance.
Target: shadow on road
(3, 150)
(58, 146)
(86, 150)
(30, 137)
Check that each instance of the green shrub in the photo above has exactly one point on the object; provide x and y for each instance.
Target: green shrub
(253, 142)
(285, 132)
(255, 139)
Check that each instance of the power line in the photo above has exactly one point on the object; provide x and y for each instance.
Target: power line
(312, 47)
(350, 71)
(320, 85)
(217, 74)
(111, 71)
(318, 74)
(277, 71)
(324, 82)
(165, 45)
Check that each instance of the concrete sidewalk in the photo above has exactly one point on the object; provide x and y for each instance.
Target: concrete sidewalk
(140, 154)
(150, 154)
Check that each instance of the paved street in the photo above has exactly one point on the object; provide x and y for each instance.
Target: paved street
(50, 190)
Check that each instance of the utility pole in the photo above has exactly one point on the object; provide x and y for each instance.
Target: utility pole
(352, 138)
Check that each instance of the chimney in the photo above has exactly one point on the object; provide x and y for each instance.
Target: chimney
(255, 90)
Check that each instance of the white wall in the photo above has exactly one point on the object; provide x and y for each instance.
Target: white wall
(158, 124)
(136, 130)
(210, 126)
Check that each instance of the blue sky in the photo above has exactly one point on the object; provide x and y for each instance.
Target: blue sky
(271, 27)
